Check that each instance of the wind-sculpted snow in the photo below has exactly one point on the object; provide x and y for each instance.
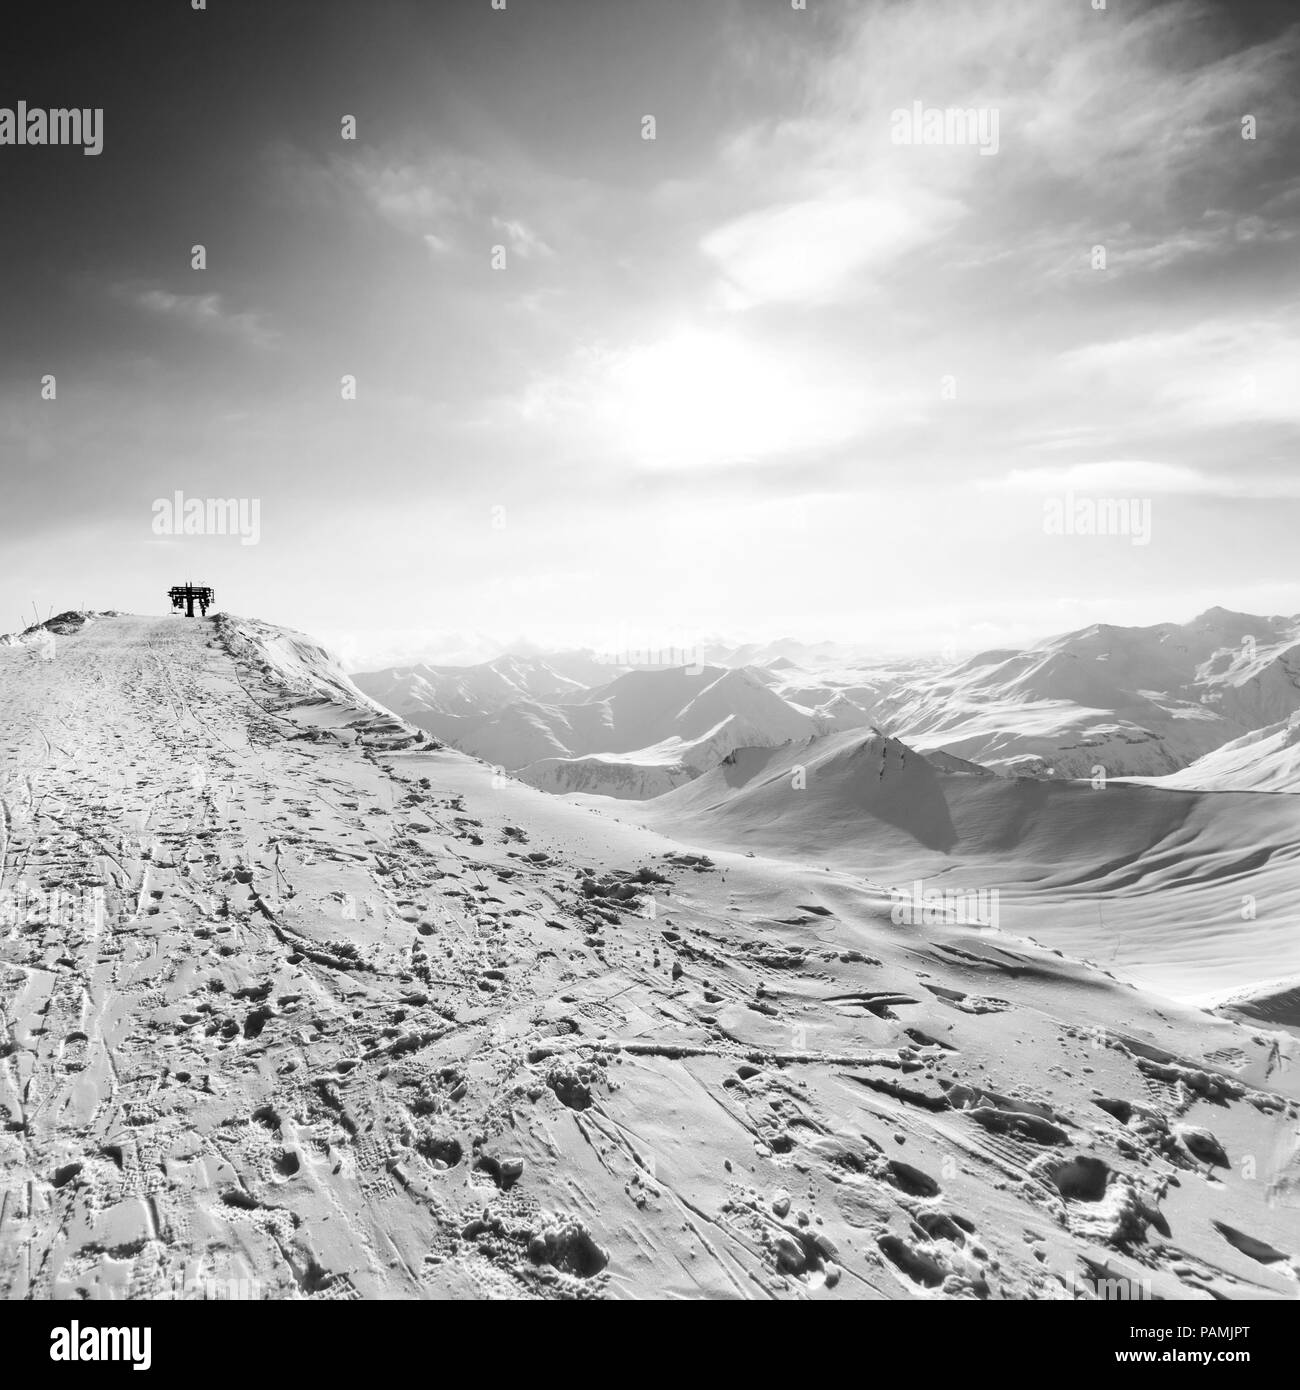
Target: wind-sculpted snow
(297, 1005)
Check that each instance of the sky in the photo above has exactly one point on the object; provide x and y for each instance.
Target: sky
(772, 372)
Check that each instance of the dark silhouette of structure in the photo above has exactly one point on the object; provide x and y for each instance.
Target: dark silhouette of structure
(185, 595)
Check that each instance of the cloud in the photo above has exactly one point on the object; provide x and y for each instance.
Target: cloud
(430, 195)
(204, 313)
(1140, 477)
(446, 197)
(806, 252)
(1113, 127)
(401, 194)
(520, 239)
(1221, 371)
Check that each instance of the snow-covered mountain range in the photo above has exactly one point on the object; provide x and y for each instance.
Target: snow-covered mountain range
(1207, 702)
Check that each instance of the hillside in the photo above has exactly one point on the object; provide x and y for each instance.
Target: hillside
(1136, 701)
(1265, 760)
(299, 1005)
(458, 691)
(636, 735)
(1192, 893)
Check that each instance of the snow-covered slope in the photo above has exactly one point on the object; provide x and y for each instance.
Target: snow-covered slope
(1124, 702)
(460, 691)
(1274, 1003)
(625, 776)
(1267, 760)
(647, 772)
(1134, 701)
(646, 707)
(322, 1018)
(637, 735)
(292, 660)
(1193, 892)
(816, 798)
(526, 731)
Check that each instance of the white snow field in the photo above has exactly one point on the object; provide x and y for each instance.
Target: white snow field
(297, 1004)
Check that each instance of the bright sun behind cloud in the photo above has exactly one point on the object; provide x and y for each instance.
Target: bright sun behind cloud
(700, 398)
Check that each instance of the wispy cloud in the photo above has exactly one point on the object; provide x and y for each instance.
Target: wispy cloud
(451, 199)
(431, 195)
(204, 313)
(520, 239)
(1140, 477)
(1219, 371)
